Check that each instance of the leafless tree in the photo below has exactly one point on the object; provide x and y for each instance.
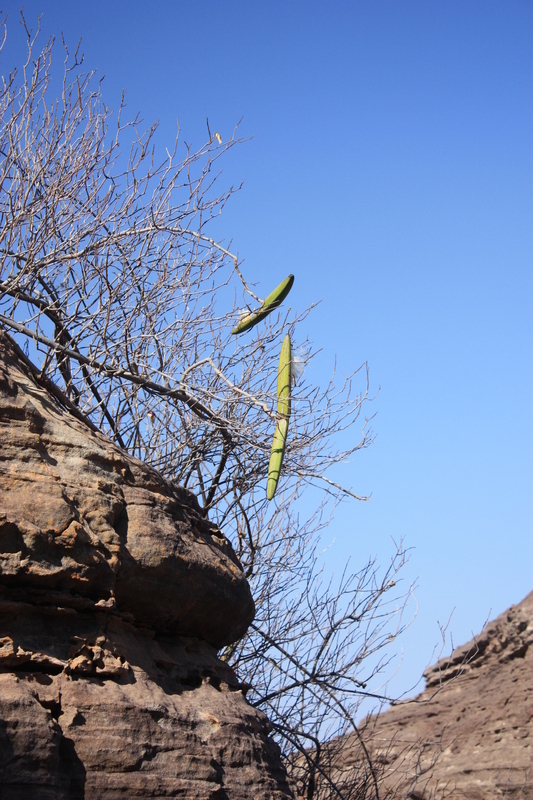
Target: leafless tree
(111, 275)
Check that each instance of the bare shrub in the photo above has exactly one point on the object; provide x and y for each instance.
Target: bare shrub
(111, 278)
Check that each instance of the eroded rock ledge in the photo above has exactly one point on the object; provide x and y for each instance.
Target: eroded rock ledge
(469, 734)
(114, 594)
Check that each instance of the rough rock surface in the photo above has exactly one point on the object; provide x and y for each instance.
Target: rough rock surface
(469, 734)
(114, 594)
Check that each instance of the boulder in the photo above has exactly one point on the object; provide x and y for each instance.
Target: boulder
(115, 594)
(469, 734)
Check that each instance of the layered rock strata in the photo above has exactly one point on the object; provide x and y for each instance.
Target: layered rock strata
(469, 734)
(115, 593)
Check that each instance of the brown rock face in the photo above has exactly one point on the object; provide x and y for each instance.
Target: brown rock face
(114, 594)
(469, 734)
(82, 520)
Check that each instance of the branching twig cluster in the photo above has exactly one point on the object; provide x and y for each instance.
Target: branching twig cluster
(110, 275)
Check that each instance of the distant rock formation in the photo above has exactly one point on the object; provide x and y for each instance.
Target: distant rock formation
(115, 593)
(469, 734)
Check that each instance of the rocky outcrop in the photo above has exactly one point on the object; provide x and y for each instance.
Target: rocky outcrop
(115, 593)
(469, 734)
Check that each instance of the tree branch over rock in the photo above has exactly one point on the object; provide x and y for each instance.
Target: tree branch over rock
(113, 279)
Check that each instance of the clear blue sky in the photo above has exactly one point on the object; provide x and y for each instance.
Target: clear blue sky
(391, 171)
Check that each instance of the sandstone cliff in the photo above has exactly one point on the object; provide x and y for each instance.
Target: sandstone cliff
(469, 734)
(114, 595)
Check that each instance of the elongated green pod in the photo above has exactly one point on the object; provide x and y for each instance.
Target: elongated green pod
(272, 301)
(284, 410)
(276, 456)
(284, 378)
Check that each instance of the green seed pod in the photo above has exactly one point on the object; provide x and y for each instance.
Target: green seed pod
(276, 456)
(284, 378)
(284, 410)
(273, 300)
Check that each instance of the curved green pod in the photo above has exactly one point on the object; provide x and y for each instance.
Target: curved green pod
(272, 301)
(276, 456)
(284, 378)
